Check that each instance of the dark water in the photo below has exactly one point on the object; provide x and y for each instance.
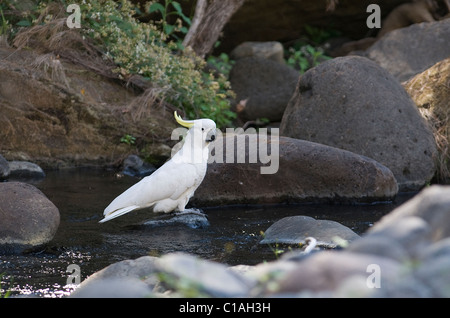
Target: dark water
(81, 195)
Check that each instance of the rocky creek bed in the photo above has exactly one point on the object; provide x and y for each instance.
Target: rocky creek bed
(232, 237)
(354, 131)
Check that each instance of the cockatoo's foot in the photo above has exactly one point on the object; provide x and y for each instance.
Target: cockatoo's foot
(191, 211)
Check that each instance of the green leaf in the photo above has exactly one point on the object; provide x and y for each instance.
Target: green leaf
(24, 23)
(311, 50)
(177, 7)
(157, 7)
(168, 29)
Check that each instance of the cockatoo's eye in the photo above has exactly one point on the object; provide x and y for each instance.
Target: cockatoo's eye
(203, 129)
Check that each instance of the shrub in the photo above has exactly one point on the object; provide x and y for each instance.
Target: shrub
(177, 75)
(144, 49)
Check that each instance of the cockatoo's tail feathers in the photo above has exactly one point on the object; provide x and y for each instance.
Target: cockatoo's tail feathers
(182, 122)
(119, 212)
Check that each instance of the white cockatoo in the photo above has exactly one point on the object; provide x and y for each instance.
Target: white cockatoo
(171, 186)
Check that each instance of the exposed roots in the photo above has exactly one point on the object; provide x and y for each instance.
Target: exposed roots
(142, 106)
(54, 37)
(52, 64)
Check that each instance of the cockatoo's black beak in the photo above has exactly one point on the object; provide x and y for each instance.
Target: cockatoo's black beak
(211, 136)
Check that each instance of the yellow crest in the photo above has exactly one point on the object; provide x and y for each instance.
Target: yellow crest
(182, 122)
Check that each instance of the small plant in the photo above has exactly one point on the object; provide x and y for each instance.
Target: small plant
(16, 14)
(183, 286)
(166, 12)
(307, 51)
(128, 139)
(318, 36)
(222, 63)
(8, 292)
(276, 250)
(3, 25)
(306, 57)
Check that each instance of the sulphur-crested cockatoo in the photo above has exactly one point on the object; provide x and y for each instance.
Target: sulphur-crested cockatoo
(171, 186)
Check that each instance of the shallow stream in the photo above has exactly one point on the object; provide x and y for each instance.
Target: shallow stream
(81, 195)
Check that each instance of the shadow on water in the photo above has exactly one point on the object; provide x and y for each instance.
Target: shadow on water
(82, 194)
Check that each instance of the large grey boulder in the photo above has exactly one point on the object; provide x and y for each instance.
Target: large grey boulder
(178, 273)
(327, 270)
(271, 50)
(296, 171)
(353, 104)
(432, 206)
(114, 288)
(28, 218)
(266, 86)
(409, 51)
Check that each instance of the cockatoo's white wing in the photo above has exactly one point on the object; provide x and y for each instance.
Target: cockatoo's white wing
(159, 186)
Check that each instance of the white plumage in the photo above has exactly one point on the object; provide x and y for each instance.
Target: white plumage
(171, 186)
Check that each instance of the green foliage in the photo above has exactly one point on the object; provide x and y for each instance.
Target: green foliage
(8, 292)
(170, 30)
(128, 139)
(3, 24)
(307, 51)
(142, 48)
(306, 57)
(182, 286)
(152, 50)
(15, 14)
(221, 63)
(276, 250)
(318, 36)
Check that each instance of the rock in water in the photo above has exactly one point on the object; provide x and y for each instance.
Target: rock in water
(295, 229)
(134, 166)
(353, 104)
(192, 220)
(28, 218)
(25, 170)
(301, 171)
(4, 168)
